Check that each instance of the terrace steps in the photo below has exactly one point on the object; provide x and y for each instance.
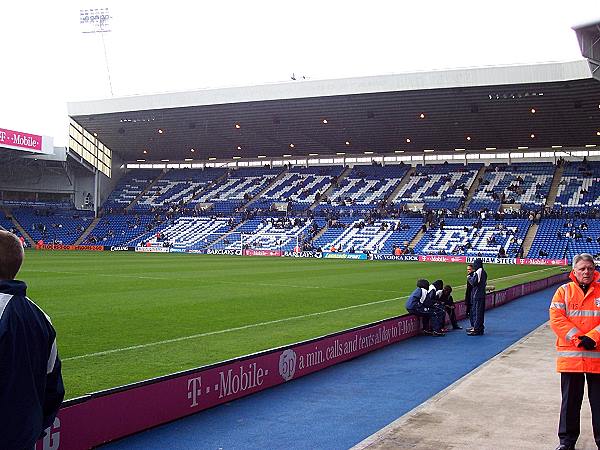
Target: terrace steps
(267, 187)
(558, 173)
(404, 180)
(332, 187)
(87, 231)
(529, 238)
(8, 213)
(135, 200)
(208, 187)
(416, 239)
(474, 187)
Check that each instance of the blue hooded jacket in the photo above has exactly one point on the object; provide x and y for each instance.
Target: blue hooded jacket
(31, 386)
(477, 280)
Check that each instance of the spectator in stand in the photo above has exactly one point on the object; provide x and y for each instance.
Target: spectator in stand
(31, 387)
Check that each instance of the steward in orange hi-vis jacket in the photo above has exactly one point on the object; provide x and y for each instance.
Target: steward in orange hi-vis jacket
(575, 319)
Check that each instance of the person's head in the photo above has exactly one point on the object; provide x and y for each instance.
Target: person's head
(469, 268)
(11, 255)
(447, 289)
(423, 284)
(438, 284)
(477, 264)
(584, 268)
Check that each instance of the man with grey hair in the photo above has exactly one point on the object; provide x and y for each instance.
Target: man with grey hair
(31, 386)
(575, 319)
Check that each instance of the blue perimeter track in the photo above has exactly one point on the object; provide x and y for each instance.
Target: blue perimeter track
(340, 406)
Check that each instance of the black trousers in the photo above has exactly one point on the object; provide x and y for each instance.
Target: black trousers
(572, 386)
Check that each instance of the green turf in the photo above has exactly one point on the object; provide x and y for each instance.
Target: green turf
(106, 302)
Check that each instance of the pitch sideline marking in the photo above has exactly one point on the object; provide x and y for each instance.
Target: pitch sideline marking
(260, 324)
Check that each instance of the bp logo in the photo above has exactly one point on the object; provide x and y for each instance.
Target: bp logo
(287, 364)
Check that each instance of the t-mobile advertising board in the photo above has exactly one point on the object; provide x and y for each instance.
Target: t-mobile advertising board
(255, 252)
(109, 415)
(18, 140)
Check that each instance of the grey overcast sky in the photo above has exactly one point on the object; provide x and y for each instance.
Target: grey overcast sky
(180, 45)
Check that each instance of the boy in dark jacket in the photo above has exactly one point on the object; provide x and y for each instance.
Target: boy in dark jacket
(448, 302)
(422, 303)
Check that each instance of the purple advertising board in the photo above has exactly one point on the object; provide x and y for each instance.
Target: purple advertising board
(109, 415)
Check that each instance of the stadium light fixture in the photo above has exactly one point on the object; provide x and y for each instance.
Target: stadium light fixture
(164, 160)
(237, 157)
(140, 160)
(490, 148)
(212, 158)
(398, 151)
(261, 156)
(97, 20)
(238, 126)
(313, 154)
(368, 153)
(408, 140)
(192, 150)
(532, 110)
(422, 115)
(291, 145)
(459, 149)
(522, 148)
(95, 134)
(590, 145)
(340, 153)
(557, 146)
(145, 152)
(532, 135)
(597, 133)
(160, 131)
(428, 150)
(347, 142)
(239, 147)
(325, 120)
(468, 138)
(286, 156)
(188, 159)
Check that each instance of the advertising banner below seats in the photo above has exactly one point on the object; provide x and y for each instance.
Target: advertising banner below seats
(442, 258)
(343, 255)
(118, 248)
(152, 249)
(89, 248)
(542, 262)
(267, 252)
(302, 254)
(394, 257)
(224, 251)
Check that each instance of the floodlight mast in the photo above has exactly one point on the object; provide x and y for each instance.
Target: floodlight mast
(97, 20)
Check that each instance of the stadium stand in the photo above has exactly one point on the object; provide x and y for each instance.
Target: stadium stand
(564, 238)
(120, 229)
(268, 233)
(237, 189)
(474, 237)
(579, 187)
(372, 235)
(59, 226)
(177, 187)
(186, 233)
(365, 187)
(442, 186)
(129, 187)
(300, 186)
(527, 184)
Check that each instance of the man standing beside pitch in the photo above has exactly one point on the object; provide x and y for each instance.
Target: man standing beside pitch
(31, 387)
(477, 280)
(575, 319)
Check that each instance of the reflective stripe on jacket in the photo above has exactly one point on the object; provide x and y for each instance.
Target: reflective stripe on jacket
(573, 314)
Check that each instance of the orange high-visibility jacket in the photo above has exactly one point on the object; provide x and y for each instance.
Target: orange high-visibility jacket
(573, 314)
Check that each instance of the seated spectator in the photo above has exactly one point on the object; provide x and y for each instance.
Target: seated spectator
(423, 303)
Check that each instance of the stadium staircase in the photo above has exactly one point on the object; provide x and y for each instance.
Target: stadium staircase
(87, 231)
(229, 233)
(416, 239)
(474, 187)
(558, 173)
(18, 226)
(141, 194)
(208, 187)
(529, 238)
(267, 188)
(404, 180)
(331, 188)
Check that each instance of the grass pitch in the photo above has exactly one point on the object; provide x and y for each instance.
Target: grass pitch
(126, 317)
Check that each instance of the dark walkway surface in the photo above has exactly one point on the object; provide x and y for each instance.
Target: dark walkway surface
(341, 406)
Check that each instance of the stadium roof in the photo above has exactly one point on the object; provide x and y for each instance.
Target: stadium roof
(535, 106)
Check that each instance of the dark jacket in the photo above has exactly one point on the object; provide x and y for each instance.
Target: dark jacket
(31, 386)
(416, 299)
(477, 280)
